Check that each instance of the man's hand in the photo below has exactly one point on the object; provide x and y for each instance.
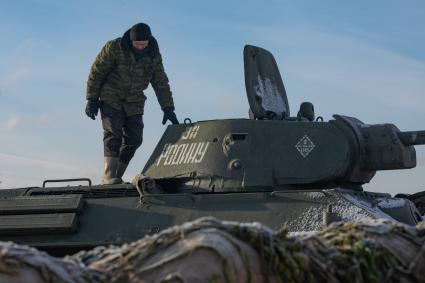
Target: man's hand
(92, 108)
(169, 115)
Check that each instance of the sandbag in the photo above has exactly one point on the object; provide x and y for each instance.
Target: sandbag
(209, 250)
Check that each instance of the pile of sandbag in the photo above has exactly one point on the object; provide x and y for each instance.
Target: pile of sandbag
(22, 264)
(209, 250)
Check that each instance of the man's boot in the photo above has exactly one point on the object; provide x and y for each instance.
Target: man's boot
(110, 173)
(121, 169)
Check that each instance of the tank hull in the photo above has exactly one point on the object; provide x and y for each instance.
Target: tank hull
(116, 219)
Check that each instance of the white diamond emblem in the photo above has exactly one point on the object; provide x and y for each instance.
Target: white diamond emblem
(305, 146)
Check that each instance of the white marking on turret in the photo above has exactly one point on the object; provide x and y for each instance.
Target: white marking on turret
(163, 153)
(177, 154)
(183, 154)
(192, 157)
(187, 153)
(305, 146)
(170, 155)
(190, 133)
(201, 153)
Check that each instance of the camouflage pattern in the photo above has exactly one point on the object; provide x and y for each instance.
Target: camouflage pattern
(118, 79)
(122, 135)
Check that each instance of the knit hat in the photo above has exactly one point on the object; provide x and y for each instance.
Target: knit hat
(140, 32)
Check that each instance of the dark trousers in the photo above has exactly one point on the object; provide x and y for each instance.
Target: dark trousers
(122, 134)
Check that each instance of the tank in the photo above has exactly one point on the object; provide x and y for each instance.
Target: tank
(299, 172)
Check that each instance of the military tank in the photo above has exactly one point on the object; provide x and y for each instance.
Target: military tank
(299, 172)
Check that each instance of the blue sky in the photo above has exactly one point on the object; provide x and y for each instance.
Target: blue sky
(359, 58)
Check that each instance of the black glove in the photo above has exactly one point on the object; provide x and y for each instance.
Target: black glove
(169, 115)
(92, 108)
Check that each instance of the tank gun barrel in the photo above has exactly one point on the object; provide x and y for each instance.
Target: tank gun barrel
(412, 138)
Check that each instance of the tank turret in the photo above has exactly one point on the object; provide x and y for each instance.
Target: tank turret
(273, 150)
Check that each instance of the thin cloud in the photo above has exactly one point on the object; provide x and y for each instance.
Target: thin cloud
(19, 122)
(10, 124)
(9, 180)
(15, 179)
(230, 104)
(18, 171)
(348, 64)
(16, 160)
(15, 76)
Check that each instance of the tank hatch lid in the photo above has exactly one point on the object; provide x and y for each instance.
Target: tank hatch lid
(264, 86)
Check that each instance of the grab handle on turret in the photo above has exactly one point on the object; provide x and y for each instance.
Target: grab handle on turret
(412, 138)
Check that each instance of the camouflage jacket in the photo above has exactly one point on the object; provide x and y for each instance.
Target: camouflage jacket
(118, 79)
